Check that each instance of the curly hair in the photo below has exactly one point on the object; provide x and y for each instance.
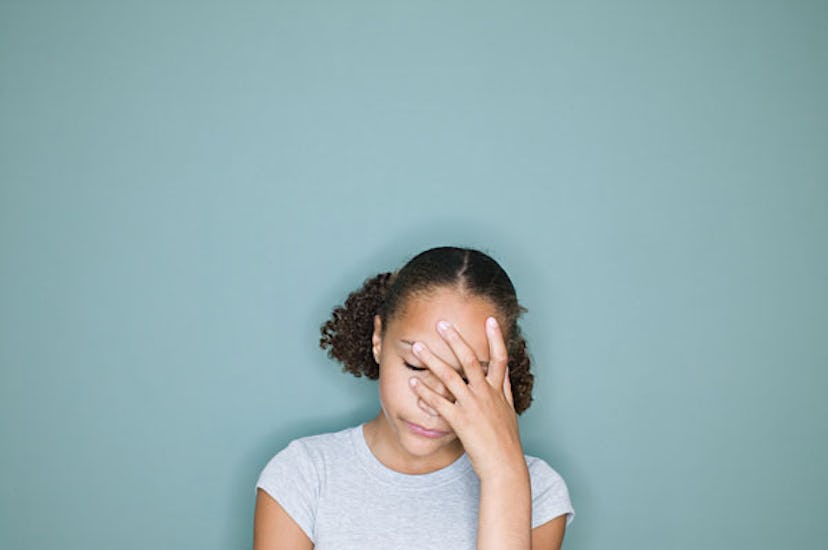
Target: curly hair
(347, 334)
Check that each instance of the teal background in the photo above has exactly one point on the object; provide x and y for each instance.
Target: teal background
(188, 188)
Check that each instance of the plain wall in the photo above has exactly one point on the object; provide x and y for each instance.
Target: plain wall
(188, 188)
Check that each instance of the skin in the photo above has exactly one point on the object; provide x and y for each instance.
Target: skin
(462, 391)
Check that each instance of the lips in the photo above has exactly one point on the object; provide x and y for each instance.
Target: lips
(425, 432)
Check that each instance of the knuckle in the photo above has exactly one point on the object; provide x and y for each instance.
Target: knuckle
(467, 355)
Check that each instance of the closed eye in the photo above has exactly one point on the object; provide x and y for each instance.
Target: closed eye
(412, 367)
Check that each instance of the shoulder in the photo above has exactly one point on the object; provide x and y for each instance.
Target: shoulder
(323, 441)
(295, 476)
(312, 450)
(541, 471)
(304, 461)
(550, 494)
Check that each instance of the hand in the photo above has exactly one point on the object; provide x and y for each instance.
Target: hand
(482, 413)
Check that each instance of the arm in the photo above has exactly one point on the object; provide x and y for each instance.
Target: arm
(274, 529)
(549, 536)
(505, 517)
(506, 504)
(484, 418)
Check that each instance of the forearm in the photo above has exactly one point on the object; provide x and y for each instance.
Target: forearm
(505, 519)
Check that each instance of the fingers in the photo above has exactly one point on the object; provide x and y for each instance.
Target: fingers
(498, 356)
(434, 383)
(444, 373)
(468, 359)
(426, 409)
(432, 399)
(507, 389)
(429, 380)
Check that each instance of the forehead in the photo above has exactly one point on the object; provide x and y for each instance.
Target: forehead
(418, 319)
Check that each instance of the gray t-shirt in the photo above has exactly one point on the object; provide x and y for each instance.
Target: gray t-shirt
(343, 497)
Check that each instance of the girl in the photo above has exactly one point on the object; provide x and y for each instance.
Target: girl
(441, 465)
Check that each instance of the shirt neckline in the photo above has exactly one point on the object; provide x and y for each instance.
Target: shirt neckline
(455, 470)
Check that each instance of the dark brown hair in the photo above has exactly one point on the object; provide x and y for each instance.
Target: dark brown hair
(347, 334)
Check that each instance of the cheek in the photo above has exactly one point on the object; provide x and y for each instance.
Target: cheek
(395, 392)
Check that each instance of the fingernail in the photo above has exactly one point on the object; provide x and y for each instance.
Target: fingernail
(413, 382)
(492, 322)
(442, 326)
(417, 347)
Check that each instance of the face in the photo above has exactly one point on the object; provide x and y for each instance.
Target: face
(408, 437)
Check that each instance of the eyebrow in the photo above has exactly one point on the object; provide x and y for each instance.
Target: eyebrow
(410, 343)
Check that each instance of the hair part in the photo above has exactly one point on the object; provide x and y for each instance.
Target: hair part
(347, 334)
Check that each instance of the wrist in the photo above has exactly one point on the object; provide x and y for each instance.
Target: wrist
(509, 471)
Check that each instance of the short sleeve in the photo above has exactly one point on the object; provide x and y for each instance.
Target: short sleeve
(550, 496)
(291, 479)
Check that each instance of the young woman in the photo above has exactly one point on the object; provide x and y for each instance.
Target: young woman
(441, 465)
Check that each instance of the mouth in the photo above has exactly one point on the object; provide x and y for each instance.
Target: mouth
(425, 432)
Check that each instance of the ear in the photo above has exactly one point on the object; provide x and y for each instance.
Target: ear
(376, 338)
